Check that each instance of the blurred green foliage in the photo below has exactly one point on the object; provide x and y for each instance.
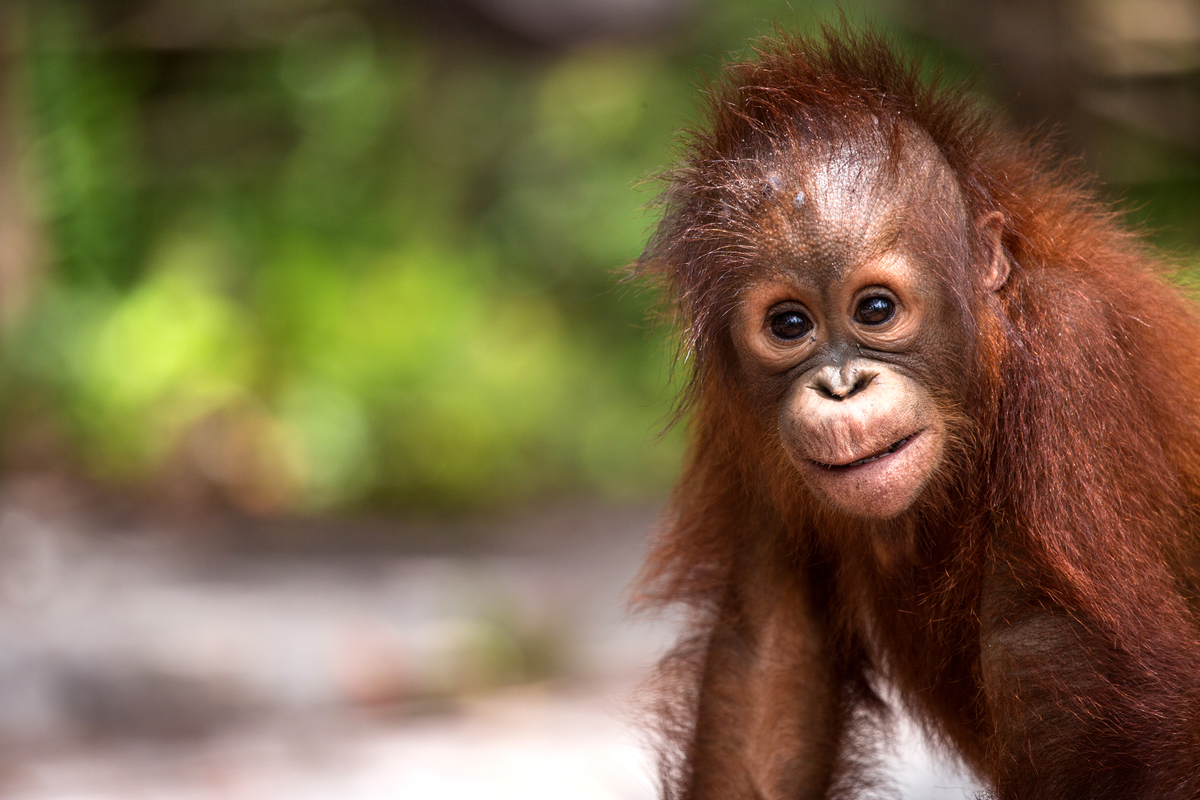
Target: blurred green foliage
(356, 265)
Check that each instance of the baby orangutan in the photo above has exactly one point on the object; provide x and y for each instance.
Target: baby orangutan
(945, 437)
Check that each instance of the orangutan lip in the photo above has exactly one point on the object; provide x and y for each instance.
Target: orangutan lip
(884, 453)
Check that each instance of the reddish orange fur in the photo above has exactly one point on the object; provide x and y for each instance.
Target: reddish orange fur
(1037, 608)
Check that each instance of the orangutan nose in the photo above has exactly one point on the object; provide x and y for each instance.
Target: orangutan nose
(840, 382)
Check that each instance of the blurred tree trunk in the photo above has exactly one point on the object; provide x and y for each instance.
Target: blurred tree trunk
(1104, 69)
(1026, 42)
(18, 233)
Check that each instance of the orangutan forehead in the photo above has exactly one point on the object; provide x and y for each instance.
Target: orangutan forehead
(855, 199)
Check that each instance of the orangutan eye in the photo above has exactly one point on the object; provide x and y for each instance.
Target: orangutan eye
(790, 325)
(874, 310)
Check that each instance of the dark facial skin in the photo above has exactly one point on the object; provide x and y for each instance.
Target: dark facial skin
(846, 326)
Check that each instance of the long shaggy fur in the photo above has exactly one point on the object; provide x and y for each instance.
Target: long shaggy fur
(1074, 479)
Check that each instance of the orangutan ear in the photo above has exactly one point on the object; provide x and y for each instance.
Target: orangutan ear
(995, 264)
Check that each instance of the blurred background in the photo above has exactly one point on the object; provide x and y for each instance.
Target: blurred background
(330, 432)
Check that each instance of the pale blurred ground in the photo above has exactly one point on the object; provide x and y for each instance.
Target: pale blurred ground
(324, 660)
(529, 744)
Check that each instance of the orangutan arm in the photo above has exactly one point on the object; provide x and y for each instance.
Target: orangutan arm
(1075, 712)
(768, 719)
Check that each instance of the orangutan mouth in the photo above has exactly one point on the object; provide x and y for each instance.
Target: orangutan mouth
(884, 453)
